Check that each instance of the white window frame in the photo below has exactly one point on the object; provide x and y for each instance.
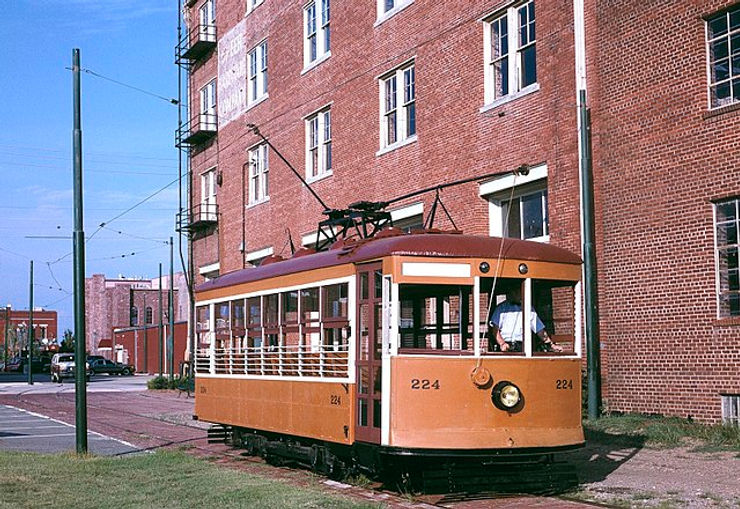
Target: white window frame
(318, 139)
(732, 76)
(514, 48)
(259, 169)
(405, 214)
(253, 4)
(210, 271)
(393, 101)
(208, 107)
(498, 190)
(208, 193)
(319, 30)
(207, 19)
(385, 12)
(258, 255)
(717, 257)
(257, 74)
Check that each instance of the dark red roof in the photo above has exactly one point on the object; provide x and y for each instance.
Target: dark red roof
(425, 244)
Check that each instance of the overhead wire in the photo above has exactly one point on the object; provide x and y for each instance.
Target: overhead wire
(132, 87)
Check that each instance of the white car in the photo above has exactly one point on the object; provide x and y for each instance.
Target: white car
(63, 366)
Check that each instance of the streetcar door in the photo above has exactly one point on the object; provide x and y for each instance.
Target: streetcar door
(369, 379)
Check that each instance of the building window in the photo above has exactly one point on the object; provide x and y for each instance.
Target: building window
(511, 58)
(398, 106)
(207, 119)
(257, 75)
(316, 16)
(134, 316)
(727, 226)
(258, 174)
(251, 4)
(723, 48)
(207, 18)
(731, 410)
(388, 8)
(518, 206)
(208, 196)
(409, 218)
(318, 145)
(255, 258)
(149, 315)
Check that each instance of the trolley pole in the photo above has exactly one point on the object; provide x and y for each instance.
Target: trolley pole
(590, 293)
(171, 334)
(161, 334)
(79, 266)
(29, 358)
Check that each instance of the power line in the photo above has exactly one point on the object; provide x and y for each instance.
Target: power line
(97, 75)
(161, 241)
(14, 253)
(87, 153)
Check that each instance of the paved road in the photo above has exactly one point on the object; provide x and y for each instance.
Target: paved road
(21, 430)
(12, 383)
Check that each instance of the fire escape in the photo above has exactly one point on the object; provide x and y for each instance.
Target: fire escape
(195, 47)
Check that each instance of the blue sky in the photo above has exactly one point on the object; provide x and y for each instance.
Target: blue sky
(128, 147)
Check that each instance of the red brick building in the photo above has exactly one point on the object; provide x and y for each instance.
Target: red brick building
(371, 100)
(122, 302)
(17, 322)
(139, 347)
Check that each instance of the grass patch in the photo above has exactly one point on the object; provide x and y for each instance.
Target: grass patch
(662, 432)
(168, 479)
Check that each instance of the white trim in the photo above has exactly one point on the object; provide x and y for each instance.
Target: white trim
(280, 289)
(311, 180)
(534, 87)
(412, 210)
(385, 16)
(398, 144)
(578, 311)
(323, 58)
(526, 311)
(432, 269)
(387, 335)
(252, 5)
(258, 202)
(346, 379)
(505, 182)
(205, 269)
(259, 253)
(254, 103)
(476, 315)
(717, 283)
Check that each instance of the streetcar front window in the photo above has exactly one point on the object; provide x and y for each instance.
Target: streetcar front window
(436, 318)
(551, 318)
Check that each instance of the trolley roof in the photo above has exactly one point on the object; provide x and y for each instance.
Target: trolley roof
(442, 245)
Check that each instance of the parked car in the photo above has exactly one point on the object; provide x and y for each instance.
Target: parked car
(63, 366)
(113, 368)
(16, 364)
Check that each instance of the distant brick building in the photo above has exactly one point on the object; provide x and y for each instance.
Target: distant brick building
(371, 100)
(44, 325)
(121, 302)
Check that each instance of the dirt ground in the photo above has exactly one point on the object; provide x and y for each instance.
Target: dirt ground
(605, 471)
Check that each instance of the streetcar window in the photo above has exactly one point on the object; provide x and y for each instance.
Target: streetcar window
(271, 310)
(237, 314)
(203, 324)
(222, 315)
(254, 322)
(310, 306)
(506, 296)
(436, 318)
(335, 301)
(289, 307)
(555, 305)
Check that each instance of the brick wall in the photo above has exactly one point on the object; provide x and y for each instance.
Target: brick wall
(660, 159)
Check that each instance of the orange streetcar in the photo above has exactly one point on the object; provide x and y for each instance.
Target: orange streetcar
(395, 346)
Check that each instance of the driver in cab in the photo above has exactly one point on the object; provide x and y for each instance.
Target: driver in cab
(506, 330)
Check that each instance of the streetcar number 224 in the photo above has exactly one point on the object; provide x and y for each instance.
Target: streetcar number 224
(424, 384)
(564, 384)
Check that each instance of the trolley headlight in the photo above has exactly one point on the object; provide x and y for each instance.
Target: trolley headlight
(506, 396)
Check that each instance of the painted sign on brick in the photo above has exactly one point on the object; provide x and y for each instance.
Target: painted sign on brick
(232, 75)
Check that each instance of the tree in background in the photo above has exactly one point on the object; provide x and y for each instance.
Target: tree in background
(68, 343)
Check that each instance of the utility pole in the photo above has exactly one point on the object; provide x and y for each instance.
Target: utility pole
(171, 335)
(146, 336)
(79, 265)
(161, 335)
(30, 329)
(7, 330)
(590, 294)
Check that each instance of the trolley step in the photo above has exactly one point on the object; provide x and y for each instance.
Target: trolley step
(219, 434)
